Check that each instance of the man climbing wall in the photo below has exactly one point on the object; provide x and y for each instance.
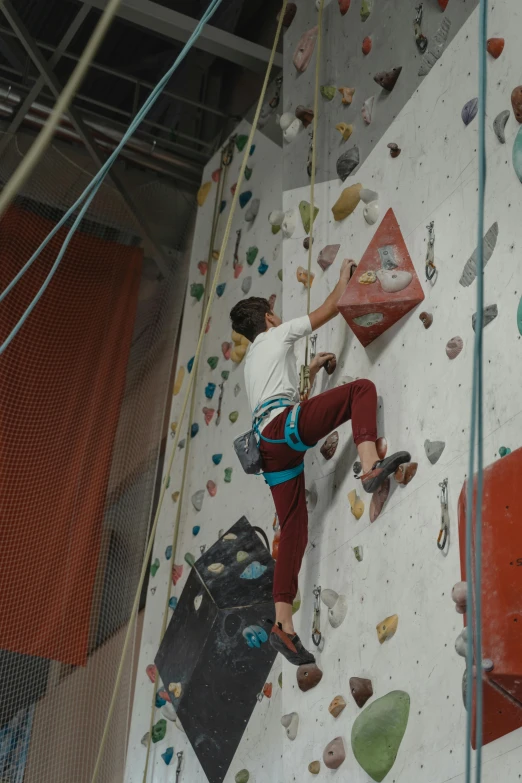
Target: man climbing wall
(286, 429)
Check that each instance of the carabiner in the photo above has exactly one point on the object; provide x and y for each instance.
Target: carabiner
(430, 268)
(316, 625)
(178, 768)
(444, 515)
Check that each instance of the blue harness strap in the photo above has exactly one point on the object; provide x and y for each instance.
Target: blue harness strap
(291, 438)
(280, 476)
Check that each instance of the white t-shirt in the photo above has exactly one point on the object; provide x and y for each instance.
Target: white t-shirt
(271, 365)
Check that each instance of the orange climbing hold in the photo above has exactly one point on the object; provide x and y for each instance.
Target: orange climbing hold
(443, 4)
(495, 47)
(302, 276)
(267, 690)
(367, 45)
(344, 5)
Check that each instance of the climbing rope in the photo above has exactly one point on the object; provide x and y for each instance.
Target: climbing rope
(90, 191)
(188, 392)
(312, 174)
(474, 580)
(226, 155)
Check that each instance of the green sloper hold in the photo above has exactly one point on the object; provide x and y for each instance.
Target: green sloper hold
(248, 172)
(304, 209)
(328, 91)
(378, 731)
(280, 275)
(225, 374)
(190, 559)
(366, 9)
(519, 316)
(241, 141)
(159, 730)
(251, 255)
(243, 776)
(233, 416)
(280, 680)
(276, 229)
(212, 361)
(197, 290)
(228, 475)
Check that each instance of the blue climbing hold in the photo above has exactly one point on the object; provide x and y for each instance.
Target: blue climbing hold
(222, 207)
(469, 111)
(167, 756)
(220, 289)
(160, 701)
(504, 451)
(195, 530)
(255, 636)
(252, 149)
(190, 364)
(194, 430)
(173, 602)
(263, 266)
(216, 458)
(168, 552)
(517, 155)
(244, 198)
(210, 388)
(253, 570)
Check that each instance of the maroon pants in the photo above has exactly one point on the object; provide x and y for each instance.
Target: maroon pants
(318, 417)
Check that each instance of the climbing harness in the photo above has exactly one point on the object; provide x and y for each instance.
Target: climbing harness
(189, 391)
(316, 623)
(431, 269)
(291, 438)
(444, 515)
(178, 768)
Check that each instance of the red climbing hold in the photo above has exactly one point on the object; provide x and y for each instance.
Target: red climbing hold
(237, 270)
(308, 676)
(203, 266)
(267, 690)
(344, 5)
(367, 45)
(216, 174)
(443, 4)
(379, 498)
(495, 47)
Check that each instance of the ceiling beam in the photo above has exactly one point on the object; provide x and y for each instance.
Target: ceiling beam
(179, 27)
(81, 128)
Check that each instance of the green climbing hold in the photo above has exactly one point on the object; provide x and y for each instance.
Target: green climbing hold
(190, 559)
(159, 730)
(241, 141)
(225, 374)
(233, 416)
(243, 776)
(517, 155)
(168, 481)
(504, 451)
(328, 91)
(276, 229)
(228, 475)
(519, 316)
(154, 567)
(366, 9)
(280, 275)
(304, 209)
(241, 556)
(280, 680)
(197, 290)
(251, 255)
(248, 172)
(212, 362)
(378, 731)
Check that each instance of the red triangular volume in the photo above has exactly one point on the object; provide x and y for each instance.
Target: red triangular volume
(370, 309)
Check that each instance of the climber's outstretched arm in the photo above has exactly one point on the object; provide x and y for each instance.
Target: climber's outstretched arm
(328, 309)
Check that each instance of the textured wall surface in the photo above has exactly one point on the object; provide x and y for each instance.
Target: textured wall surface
(343, 64)
(423, 395)
(246, 495)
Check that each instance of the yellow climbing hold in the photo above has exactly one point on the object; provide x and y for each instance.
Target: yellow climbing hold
(240, 347)
(175, 689)
(173, 427)
(345, 130)
(387, 628)
(356, 504)
(175, 497)
(203, 193)
(347, 202)
(180, 377)
(304, 278)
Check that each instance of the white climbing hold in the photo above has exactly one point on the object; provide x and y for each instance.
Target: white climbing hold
(367, 109)
(311, 499)
(216, 568)
(338, 612)
(197, 601)
(289, 223)
(197, 499)
(391, 282)
(286, 119)
(230, 537)
(434, 449)
(368, 196)
(276, 217)
(461, 643)
(237, 389)
(246, 285)
(291, 724)
(291, 132)
(469, 272)
(329, 597)
(371, 212)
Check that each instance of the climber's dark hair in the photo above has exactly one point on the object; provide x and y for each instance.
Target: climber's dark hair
(248, 317)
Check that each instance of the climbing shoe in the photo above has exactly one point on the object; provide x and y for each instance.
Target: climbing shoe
(372, 480)
(290, 647)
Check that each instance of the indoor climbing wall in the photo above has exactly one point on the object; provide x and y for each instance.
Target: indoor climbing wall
(217, 493)
(387, 615)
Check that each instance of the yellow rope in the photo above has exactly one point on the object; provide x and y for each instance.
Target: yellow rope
(187, 394)
(31, 158)
(215, 220)
(314, 158)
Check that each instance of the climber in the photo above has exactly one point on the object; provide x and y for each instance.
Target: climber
(272, 384)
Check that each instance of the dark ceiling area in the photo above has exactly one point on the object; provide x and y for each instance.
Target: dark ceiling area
(211, 90)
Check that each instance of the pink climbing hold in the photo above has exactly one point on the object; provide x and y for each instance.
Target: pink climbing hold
(209, 415)
(272, 301)
(237, 270)
(207, 327)
(304, 49)
(177, 573)
(233, 188)
(459, 594)
(327, 256)
(216, 175)
(203, 267)
(211, 488)
(226, 348)
(151, 672)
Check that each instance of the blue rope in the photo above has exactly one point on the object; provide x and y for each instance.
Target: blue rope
(92, 188)
(474, 580)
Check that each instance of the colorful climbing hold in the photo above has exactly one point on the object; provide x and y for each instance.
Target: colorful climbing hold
(327, 256)
(267, 690)
(345, 130)
(190, 364)
(242, 556)
(241, 140)
(361, 690)
(203, 266)
(211, 488)
(167, 756)
(251, 255)
(305, 49)
(347, 163)
(392, 282)
(255, 636)
(314, 767)
(306, 115)
(175, 689)
(216, 458)
(454, 347)
(173, 602)
(378, 731)
(242, 776)
(426, 319)
(495, 47)
(395, 150)
(180, 376)
(175, 497)
(367, 45)
(304, 278)
(222, 206)
(233, 416)
(379, 498)
(517, 155)
(244, 198)
(329, 446)
(387, 79)
(347, 94)
(516, 102)
(197, 290)
(336, 706)
(334, 754)
(203, 193)
(216, 568)
(358, 552)
(469, 111)
(220, 289)
(356, 504)
(253, 570)
(194, 430)
(280, 275)
(387, 628)
(195, 530)
(228, 475)
(404, 473)
(296, 605)
(328, 91)
(168, 552)
(263, 266)
(290, 723)
(151, 672)
(159, 730)
(248, 172)
(210, 388)
(154, 567)
(459, 595)
(504, 451)
(212, 362)
(252, 150)
(366, 9)
(347, 202)
(177, 573)
(197, 499)
(208, 413)
(308, 676)
(306, 217)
